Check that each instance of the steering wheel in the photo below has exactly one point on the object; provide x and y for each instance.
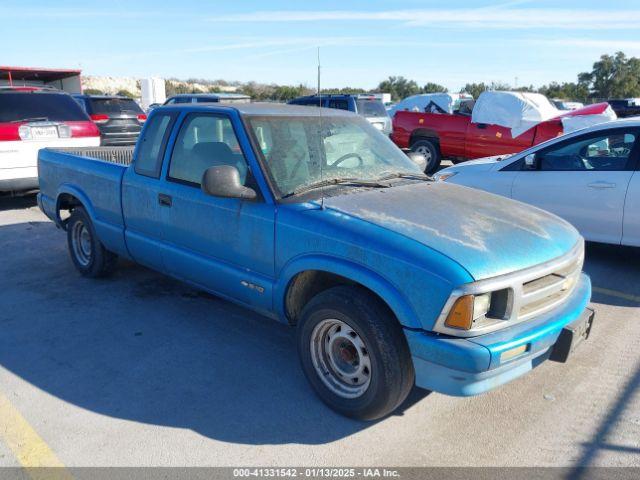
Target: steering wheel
(348, 155)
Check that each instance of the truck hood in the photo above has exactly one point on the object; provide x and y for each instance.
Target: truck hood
(486, 234)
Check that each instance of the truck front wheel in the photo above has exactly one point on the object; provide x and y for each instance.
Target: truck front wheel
(88, 254)
(354, 353)
(431, 153)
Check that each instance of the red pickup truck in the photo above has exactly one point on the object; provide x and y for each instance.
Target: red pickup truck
(514, 122)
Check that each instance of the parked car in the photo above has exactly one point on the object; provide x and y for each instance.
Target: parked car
(267, 205)
(496, 124)
(561, 104)
(119, 119)
(627, 107)
(431, 102)
(368, 106)
(32, 118)
(208, 98)
(590, 178)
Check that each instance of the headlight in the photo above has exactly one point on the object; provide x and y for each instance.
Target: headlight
(467, 310)
(442, 177)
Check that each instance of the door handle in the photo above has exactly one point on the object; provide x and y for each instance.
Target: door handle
(164, 200)
(600, 185)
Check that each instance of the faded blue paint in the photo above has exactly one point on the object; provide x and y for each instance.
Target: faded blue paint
(475, 229)
(411, 244)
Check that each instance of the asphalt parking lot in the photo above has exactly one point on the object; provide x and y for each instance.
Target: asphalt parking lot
(140, 370)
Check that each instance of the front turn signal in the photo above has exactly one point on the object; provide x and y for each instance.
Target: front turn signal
(461, 314)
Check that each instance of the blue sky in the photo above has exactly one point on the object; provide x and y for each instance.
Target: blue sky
(362, 42)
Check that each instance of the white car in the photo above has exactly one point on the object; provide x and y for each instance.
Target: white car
(589, 177)
(32, 118)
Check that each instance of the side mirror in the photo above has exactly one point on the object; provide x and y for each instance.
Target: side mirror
(418, 159)
(530, 161)
(224, 181)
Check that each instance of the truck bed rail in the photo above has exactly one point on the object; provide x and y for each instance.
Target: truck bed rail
(119, 155)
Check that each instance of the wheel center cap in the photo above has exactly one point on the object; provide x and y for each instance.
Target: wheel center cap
(348, 353)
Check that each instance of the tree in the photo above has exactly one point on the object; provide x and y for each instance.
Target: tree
(398, 87)
(125, 93)
(92, 91)
(431, 87)
(475, 89)
(613, 76)
(568, 90)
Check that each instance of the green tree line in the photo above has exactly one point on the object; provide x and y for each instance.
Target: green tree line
(612, 76)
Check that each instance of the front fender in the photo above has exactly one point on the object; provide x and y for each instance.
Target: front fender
(353, 271)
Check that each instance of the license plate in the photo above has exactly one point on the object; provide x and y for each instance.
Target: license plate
(38, 133)
(571, 336)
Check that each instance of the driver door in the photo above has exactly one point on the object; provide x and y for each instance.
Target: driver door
(584, 180)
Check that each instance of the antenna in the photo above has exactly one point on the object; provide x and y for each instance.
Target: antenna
(320, 156)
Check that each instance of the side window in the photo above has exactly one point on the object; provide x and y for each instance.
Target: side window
(205, 141)
(151, 148)
(605, 152)
(339, 104)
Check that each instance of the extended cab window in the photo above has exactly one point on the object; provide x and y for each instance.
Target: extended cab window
(339, 104)
(604, 152)
(149, 158)
(205, 141)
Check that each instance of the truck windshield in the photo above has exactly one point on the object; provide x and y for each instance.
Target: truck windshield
(371, 108)
(300, 151)
(55, 107)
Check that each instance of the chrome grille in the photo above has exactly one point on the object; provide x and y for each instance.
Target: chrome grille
(544, 293)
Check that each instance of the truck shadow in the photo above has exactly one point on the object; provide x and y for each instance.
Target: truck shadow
(146, 348)
(601, 440)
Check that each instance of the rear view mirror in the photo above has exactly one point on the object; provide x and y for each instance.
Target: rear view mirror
(224, 181)
(418, 159)
(530, 161)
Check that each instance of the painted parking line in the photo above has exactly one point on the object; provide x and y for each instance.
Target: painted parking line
(29, 448)
(617, 294)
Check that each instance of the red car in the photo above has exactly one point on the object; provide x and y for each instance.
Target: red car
(498, 123)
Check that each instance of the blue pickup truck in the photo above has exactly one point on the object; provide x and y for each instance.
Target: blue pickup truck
(314, 218)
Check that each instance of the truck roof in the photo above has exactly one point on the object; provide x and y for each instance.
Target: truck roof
(263, 108)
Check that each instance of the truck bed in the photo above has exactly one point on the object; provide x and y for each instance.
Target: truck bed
(118, 155)
(93, 176)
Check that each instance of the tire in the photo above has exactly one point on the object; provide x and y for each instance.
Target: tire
(88, 254)
(430, 150)
(368, 347)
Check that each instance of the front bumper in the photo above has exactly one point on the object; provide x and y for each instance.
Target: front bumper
(470, 366)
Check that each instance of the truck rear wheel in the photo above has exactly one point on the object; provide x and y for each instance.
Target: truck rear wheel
(354, 353)
(88, 254)
(431, 153)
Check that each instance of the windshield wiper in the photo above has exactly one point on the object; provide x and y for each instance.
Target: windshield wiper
(31, 119)
(412, 176)
(336, 181)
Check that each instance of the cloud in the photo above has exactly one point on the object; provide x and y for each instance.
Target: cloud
(497, 17)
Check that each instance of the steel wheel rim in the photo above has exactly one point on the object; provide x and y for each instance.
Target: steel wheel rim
(340, 358)
(425, 152)
(81, 243)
